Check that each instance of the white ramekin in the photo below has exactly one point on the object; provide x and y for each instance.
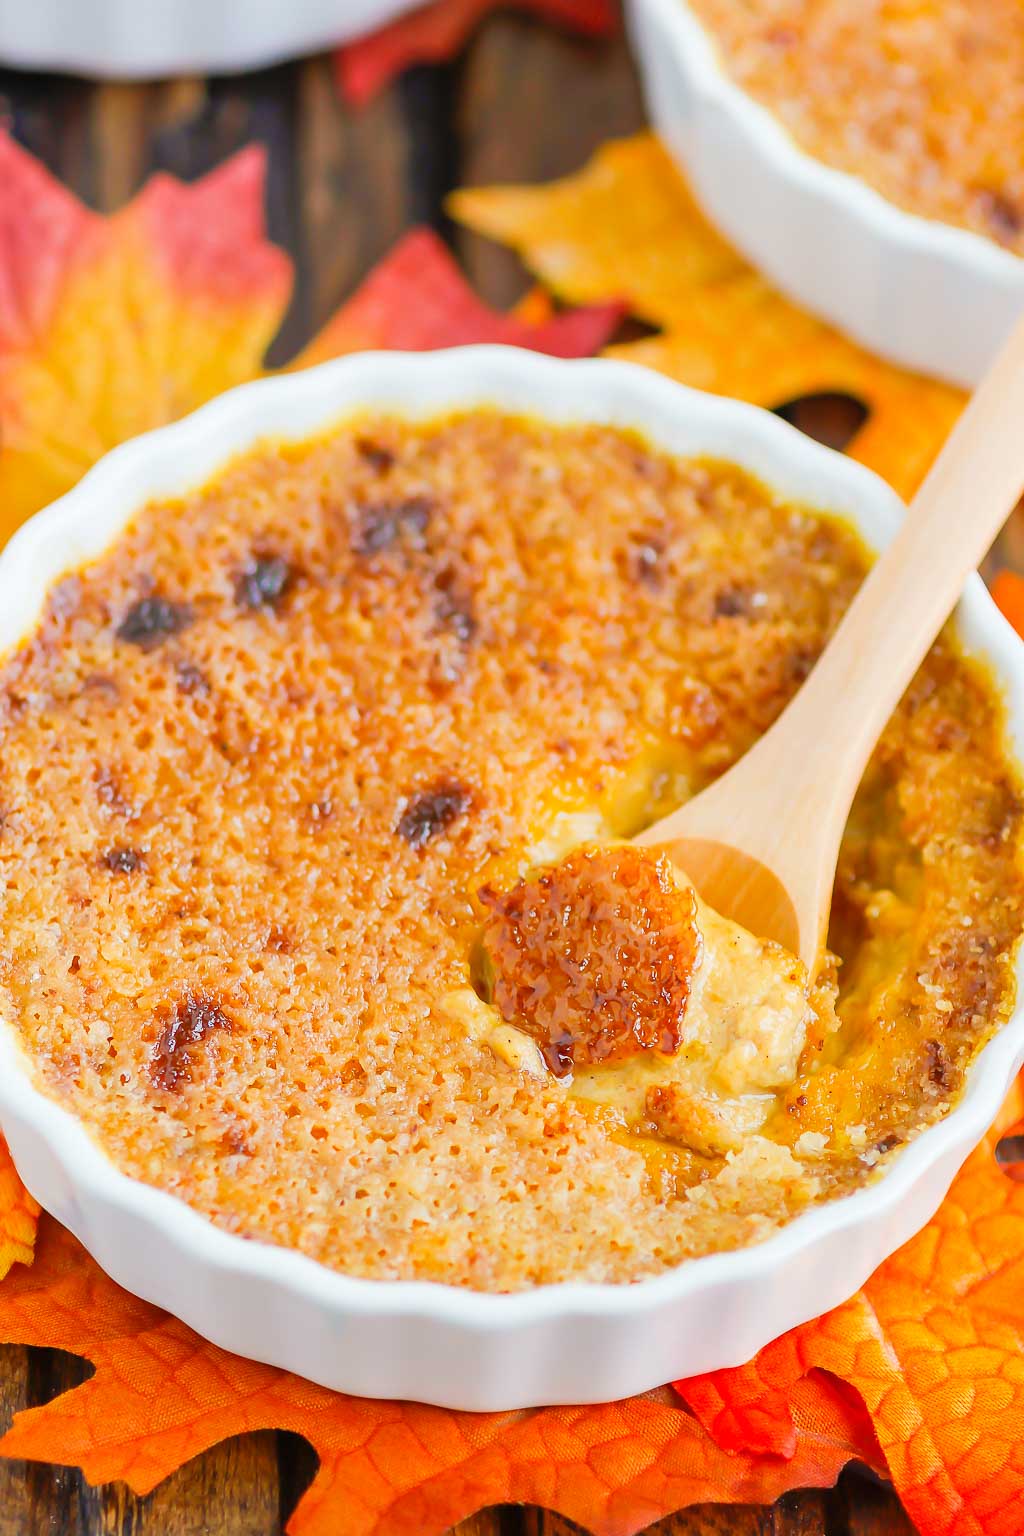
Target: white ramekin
(924, 294)
(113, 39)
(559, 1343)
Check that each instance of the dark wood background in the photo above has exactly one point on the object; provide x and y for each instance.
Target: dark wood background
(523, 103)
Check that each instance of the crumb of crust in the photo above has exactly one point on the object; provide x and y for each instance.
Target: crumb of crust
(690, 1118)
(432, 811)
(124, 861)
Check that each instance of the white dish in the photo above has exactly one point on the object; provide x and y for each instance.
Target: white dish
(114, 39)
(561, 1343)
(927, 295)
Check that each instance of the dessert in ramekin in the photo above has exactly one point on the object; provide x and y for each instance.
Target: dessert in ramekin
(319, 915)
(868, 161)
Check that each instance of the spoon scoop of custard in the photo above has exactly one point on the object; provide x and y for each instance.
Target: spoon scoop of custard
(761, 844)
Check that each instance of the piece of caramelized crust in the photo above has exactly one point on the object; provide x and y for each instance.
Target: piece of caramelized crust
(593, 957)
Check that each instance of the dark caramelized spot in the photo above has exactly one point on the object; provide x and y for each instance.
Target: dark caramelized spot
(383, 523)
(153, 619)
(278, 940)
(887, 1143)
(375, 454)
(264, 582)
(594, 956)
(939, 1067)
(124, 861)
(732, 603)
(799, 664)
(184, 1025)
(453, 606)
(192, 679)
(432, 812)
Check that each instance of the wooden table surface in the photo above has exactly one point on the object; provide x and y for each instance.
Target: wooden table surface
(525, 104)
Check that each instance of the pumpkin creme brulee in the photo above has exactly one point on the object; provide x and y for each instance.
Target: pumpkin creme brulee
(318, 905)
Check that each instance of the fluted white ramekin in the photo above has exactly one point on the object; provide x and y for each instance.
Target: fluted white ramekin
(558, 1343)
(137, 39)
(924, 294)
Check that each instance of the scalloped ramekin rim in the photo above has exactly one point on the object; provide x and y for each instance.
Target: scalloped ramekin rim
(180, 456)
(893, 224)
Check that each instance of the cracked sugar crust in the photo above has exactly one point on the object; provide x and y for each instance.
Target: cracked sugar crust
(923, 101)
(242, 829)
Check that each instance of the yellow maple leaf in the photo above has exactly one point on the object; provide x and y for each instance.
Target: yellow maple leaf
(626, 227)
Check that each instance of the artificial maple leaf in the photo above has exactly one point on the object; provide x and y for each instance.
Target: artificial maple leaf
(627, 227)
(434, 33)
(418, 299)
(160, 1395)
(111, 326)
(19, 1215)
(1008, 591)
(933, 1344)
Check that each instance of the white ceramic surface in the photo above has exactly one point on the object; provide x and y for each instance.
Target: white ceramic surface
(924, 294)
(559, 1343)
(136, 39)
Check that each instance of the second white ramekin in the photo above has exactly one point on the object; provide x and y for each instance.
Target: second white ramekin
(926, 295)
(568, 1343)
(138, 39)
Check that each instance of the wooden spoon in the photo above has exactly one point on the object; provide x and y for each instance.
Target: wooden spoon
(761, 843)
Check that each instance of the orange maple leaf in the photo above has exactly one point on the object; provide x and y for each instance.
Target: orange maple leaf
(1008, 591)
(18, 1216)
(161, 1395)
(434, 33)
(934, 1347)
(627, 227)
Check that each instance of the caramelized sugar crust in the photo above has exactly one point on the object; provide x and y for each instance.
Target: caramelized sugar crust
(593, 956)
(922, 100)
(257, 761)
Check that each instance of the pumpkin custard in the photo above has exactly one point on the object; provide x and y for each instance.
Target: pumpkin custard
(319, 909)
(921, 99)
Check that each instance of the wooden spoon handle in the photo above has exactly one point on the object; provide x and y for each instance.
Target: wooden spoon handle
(762, 842)
(971, 489)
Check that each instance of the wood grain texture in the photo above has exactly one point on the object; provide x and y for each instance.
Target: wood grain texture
(524, 103)
(534, 104)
